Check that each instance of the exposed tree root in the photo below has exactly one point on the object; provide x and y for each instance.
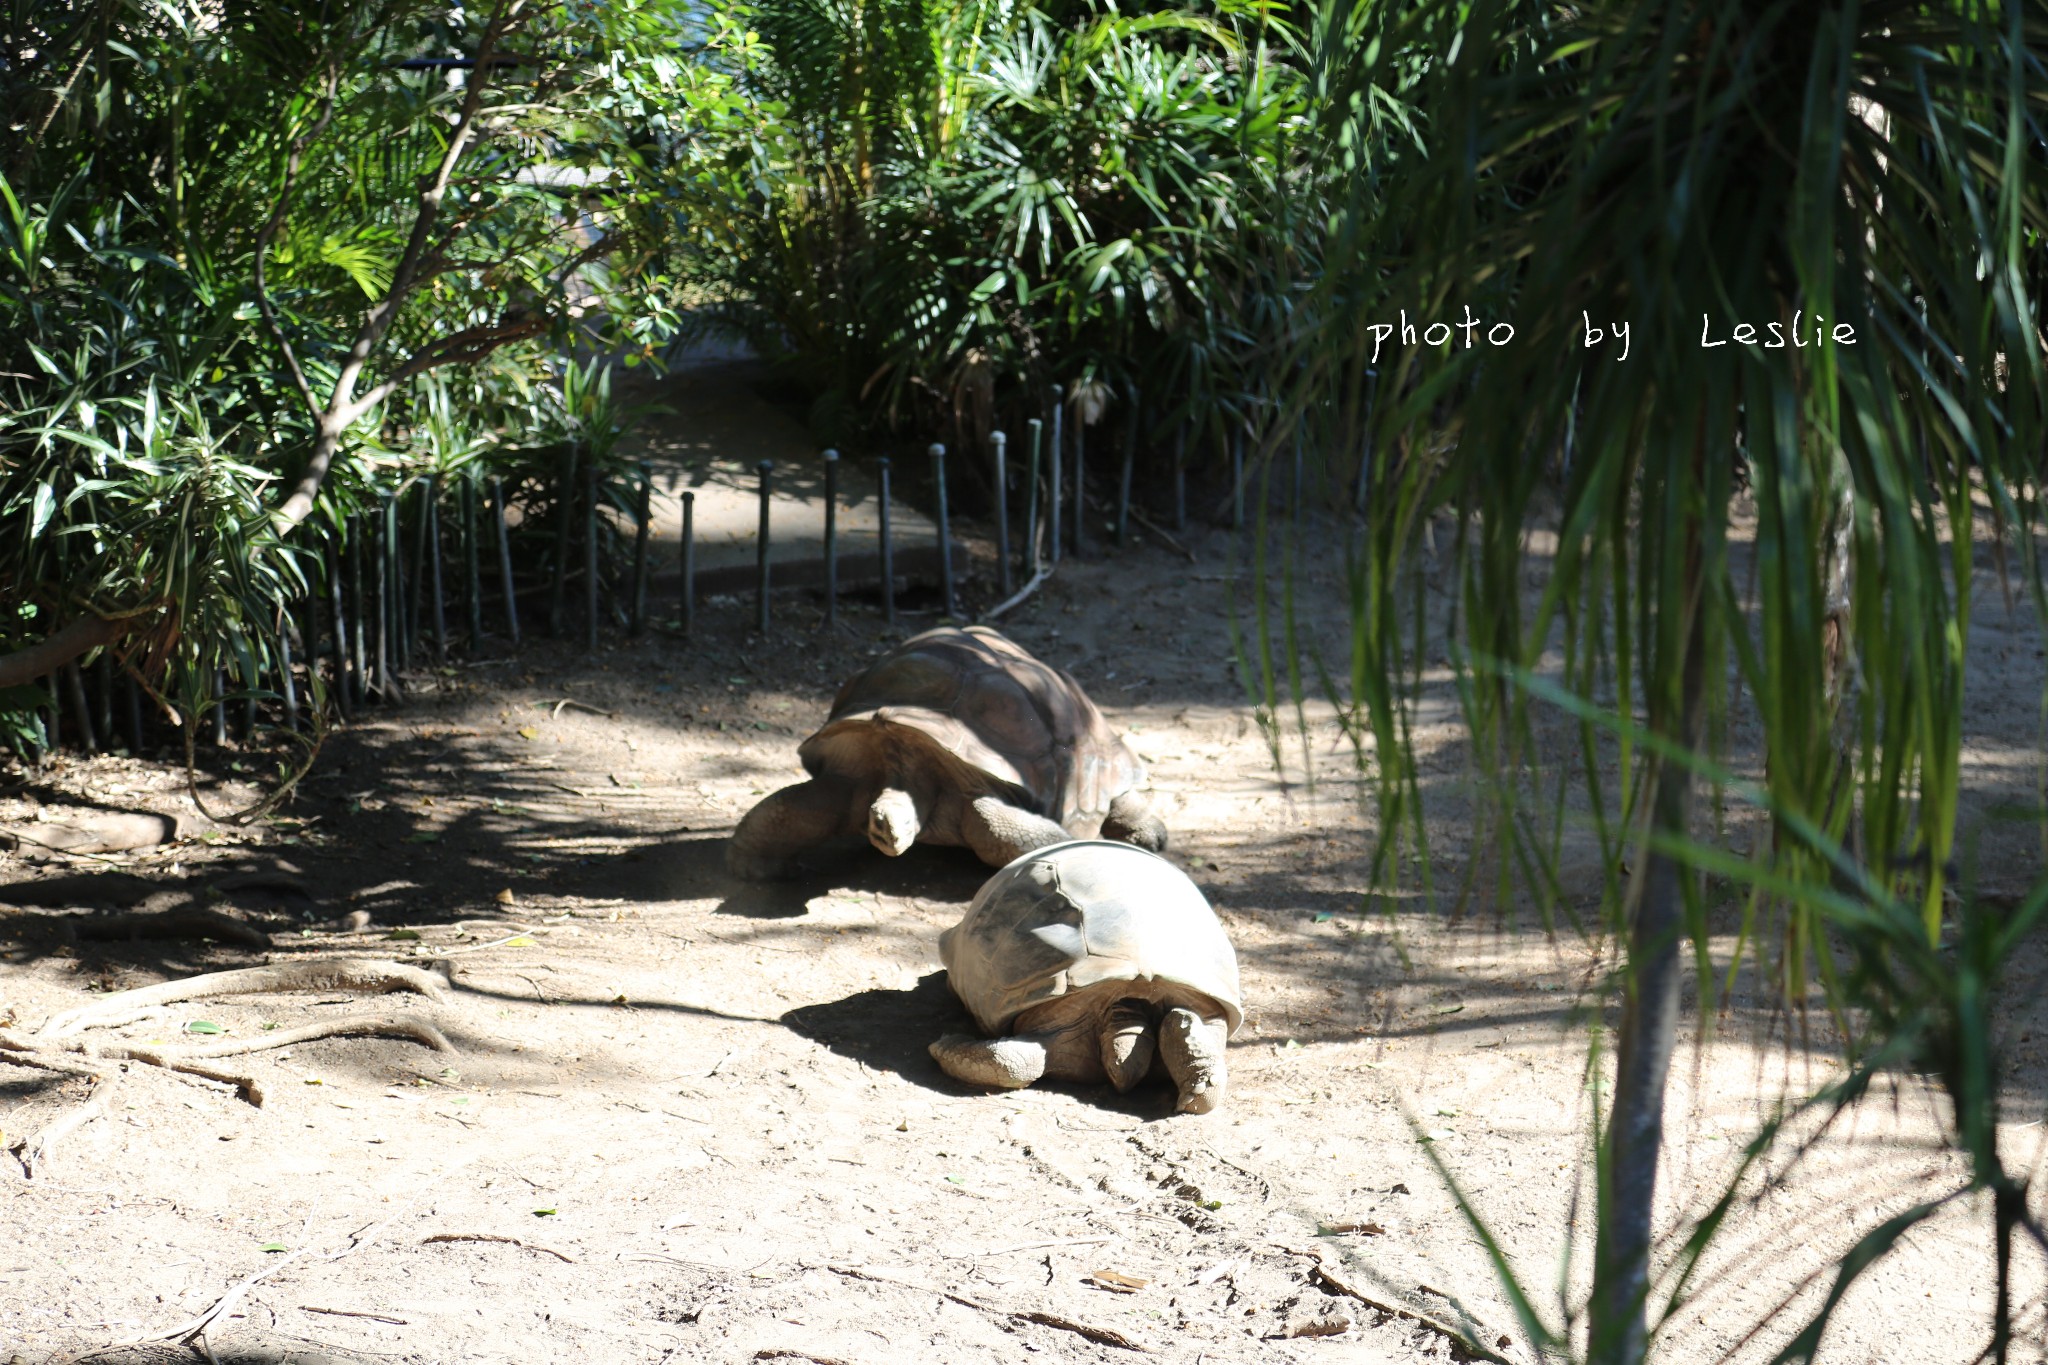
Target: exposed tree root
(348, 1026)
(314, 974)
(98, 832)
(34, 1150)
(21, 1052)
(58, 1048)
(191, 921)
(191, 1061)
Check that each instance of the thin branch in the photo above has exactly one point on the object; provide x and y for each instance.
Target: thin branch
(1037, 580)
(269, 232)
(342, 409)
(471, 343)
(497, 1237)
(82, 636)
(33, 1151)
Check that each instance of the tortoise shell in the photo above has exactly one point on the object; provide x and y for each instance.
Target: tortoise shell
(970, 711)
(1081, 916)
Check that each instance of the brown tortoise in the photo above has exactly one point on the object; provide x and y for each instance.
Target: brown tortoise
(954, 737)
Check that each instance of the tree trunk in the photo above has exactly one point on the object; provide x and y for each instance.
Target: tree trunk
(1648, 1035)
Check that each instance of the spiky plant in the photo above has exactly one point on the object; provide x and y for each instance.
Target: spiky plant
(1866, 182)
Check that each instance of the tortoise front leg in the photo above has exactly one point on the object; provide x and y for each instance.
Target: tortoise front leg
(787, 823)
(1004, 1063)
(999, 833)
(1192, 1048)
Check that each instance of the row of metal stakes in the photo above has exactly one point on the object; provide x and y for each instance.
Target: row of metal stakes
(1043, 551)
(372, 610)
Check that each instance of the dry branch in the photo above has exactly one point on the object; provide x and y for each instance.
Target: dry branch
(244, 1086)
(353, 1313)
(21, 1052)
(1160, 531)
(34, 1150)
(1101, 1336)
(495, 1237)
(316, 974)
(1336, 1282)
(34, 662)
(1037, 580)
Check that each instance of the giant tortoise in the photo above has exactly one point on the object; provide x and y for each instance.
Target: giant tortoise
(1084, 961)
(954, 737)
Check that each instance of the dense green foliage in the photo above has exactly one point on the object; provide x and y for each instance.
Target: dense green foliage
(946, 209)
(178, 171)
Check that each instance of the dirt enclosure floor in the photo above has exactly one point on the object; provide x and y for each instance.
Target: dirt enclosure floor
(686, 1119)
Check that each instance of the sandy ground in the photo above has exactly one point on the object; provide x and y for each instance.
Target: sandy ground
(691, 1120)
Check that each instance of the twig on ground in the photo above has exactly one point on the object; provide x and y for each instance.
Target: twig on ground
(1336, 1281)
(581, 706)
(495, 1237)
(1029, 1246)
(1037, 580)
(194, 1329)
(353, 1313)
(316, 974)
(34, 1150)
(1156, 529)
(786, 1354)
(1101, 1336)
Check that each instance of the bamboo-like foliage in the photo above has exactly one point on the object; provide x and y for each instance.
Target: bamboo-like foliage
(1684, 167)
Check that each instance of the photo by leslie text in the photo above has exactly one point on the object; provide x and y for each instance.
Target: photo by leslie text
(1501, 333)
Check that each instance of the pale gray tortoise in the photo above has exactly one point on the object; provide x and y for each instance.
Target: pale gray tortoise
(1084, 961)
(954, 737)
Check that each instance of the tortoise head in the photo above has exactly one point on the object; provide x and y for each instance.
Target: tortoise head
(893, 822)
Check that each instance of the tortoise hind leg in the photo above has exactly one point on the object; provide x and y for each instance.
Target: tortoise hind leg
(787, 823)
(1128, 1041)
(999, 833)
(1004, 1063)
(1131, 821)
(1192, 1048)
